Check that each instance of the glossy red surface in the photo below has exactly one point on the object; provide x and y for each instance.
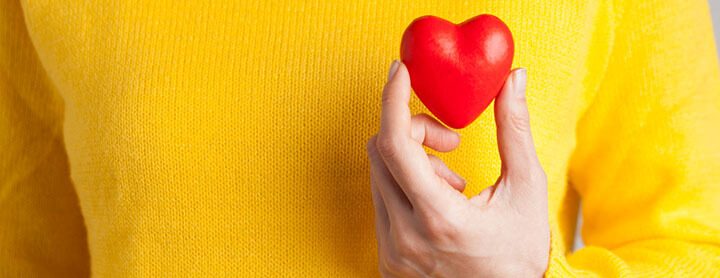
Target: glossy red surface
(457, 70)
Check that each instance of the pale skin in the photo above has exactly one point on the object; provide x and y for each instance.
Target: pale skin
(425, 226)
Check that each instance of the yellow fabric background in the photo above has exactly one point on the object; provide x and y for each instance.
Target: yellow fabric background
(164, 138)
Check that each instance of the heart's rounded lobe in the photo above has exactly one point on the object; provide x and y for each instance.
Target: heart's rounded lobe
(457, 69)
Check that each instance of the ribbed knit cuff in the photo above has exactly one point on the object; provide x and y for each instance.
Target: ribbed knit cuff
(558, 265)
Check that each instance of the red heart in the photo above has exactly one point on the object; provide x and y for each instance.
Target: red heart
(457, 70)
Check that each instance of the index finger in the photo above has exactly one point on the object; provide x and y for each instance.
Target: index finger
(395, 117)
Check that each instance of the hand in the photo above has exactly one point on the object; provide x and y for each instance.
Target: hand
(425, 226)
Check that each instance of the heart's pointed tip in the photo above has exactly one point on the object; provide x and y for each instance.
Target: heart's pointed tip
(457, 124)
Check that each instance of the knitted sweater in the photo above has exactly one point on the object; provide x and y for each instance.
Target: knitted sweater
(226, 138)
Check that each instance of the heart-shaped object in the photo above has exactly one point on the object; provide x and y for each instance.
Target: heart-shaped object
(457, 70)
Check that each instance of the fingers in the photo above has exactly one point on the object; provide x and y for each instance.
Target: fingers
(395, 204)
(444, 172)
(431, 133)
(404, 157)
(393, 214)
(395, 115)
(515, 142)
(382, 222)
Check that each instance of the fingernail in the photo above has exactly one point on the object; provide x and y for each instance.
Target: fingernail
(520, 81)
(459, 178)
(393, 68)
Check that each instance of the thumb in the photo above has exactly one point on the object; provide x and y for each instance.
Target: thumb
(517, 150)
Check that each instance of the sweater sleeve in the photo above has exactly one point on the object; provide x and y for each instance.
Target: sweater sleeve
(647, 160)
(41, 228)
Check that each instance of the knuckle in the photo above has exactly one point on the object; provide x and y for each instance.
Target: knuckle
(441, 228)
(406, 248)
(539, 175)
(520, 120)
(388, 96)
(448, 139)
(436, 227)
(388, 145)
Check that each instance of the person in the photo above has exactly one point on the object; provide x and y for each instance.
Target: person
(200, 138)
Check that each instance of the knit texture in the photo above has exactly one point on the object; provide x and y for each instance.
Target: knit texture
(226, 138)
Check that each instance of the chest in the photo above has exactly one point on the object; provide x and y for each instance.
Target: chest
(194, 83)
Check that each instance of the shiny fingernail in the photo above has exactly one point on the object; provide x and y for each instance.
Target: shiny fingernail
(520, 81)
(393, 69)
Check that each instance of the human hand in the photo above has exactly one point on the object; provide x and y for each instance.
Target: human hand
(424, 225)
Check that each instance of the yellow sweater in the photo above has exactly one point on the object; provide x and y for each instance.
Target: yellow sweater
(196, 138)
